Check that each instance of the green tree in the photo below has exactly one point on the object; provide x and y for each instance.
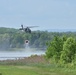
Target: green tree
(18, 40)
(69, 50)
(54, 49)
(4, 41)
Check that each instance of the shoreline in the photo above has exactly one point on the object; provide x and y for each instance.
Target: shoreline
(33, 59)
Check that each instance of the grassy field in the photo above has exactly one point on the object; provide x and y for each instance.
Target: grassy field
(35, 70)
(34, 67)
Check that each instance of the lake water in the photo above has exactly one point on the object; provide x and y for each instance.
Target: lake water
(4, 55)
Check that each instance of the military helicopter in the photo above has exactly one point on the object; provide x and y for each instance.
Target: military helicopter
(27, 29)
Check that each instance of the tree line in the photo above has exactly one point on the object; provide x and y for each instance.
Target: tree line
(14, 38)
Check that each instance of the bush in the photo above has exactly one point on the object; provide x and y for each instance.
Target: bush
(62, 50)
(68, 52)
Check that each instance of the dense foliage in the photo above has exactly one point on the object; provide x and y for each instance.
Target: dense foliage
(54, 48)
(62, 50)
(69, 50)
(13, 38)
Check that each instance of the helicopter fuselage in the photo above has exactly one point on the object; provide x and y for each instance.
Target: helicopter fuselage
(27, 30)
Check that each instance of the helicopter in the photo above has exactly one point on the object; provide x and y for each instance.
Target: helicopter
(27, 29)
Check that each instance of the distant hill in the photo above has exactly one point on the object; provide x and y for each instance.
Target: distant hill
(61, 30)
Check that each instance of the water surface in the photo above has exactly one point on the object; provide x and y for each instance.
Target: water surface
(20, 53)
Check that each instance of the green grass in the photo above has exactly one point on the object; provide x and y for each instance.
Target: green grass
(17, 70)
(36, 69)
(34, 65)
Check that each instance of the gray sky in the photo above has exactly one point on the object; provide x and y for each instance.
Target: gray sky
(47, 14)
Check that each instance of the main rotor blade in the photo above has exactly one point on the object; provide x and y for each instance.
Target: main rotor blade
(31, 26)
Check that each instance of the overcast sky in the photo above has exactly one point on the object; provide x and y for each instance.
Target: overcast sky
(47, 14)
